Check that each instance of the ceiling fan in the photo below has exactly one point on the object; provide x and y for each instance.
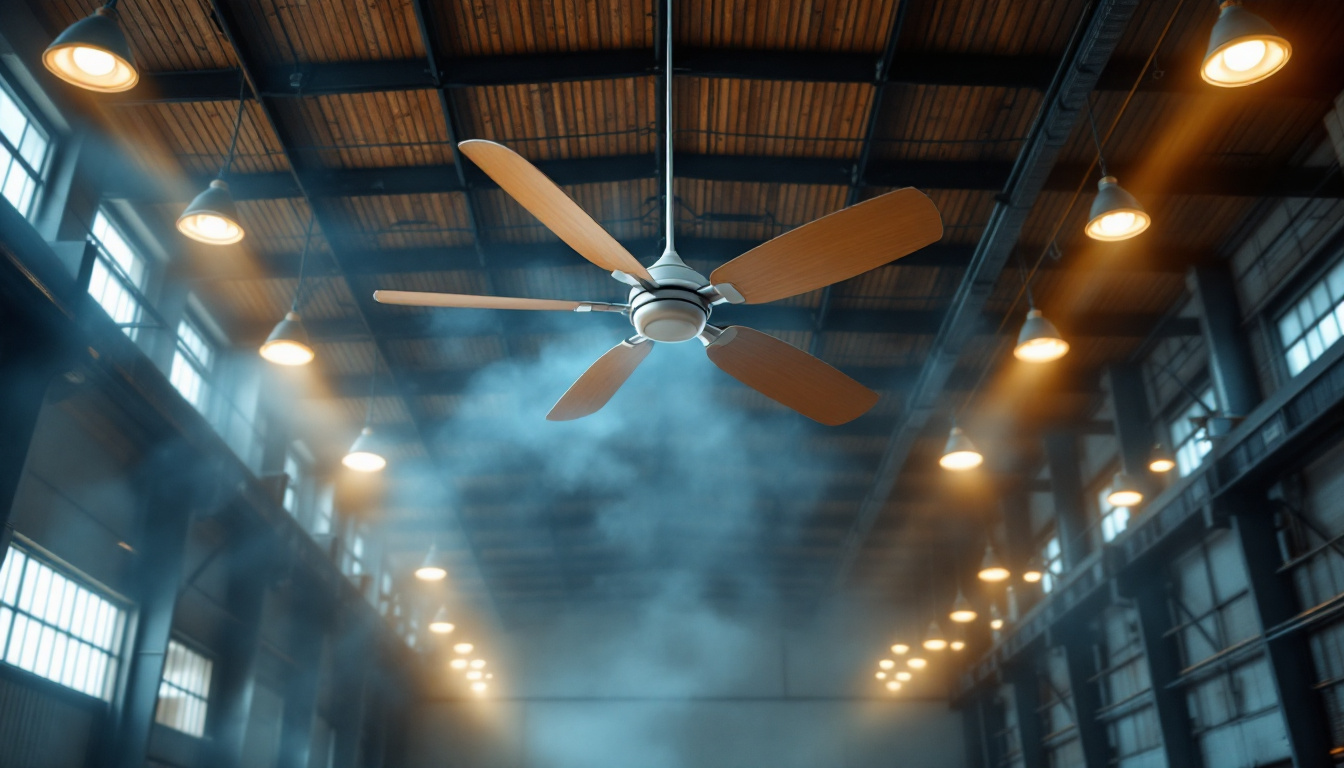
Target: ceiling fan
(670, 302)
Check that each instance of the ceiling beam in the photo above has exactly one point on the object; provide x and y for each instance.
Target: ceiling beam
(1089, 50)
(906, 68)
(924, 174)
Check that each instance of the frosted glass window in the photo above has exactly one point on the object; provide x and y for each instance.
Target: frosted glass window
(294, 474)
(191, 365)
(184, 691)
(1314, 323)
(324, 510)
(58, 627)
(1190, 437)
(24, 148)
(1053, 557)
(118, 278)
(1114, 520)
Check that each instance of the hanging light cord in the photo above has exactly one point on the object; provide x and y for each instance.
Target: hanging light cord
(1096, 138)
(237, 126)
(1077, 193)
(303, 260)
(110, 5)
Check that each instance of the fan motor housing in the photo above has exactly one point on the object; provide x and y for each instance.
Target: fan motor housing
(668, 314)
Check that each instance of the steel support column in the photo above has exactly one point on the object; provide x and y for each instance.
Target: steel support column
(307, 629)
(1289, 655)
(1027, 704)
(26, 371)
(1230, 362)
(1078, 653)
(1164, 669)
(976, 733)
(1066, 490)
(351, 691)
(1133, 424)
(250, 567)
(157, 579)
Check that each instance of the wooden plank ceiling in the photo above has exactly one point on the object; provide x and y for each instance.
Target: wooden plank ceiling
(687, 472)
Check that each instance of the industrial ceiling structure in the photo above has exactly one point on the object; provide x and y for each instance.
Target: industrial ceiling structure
(784, 112)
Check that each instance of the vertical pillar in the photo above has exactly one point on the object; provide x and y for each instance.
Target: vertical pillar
(157, 578)
(352, 657)
(1289, 656)
(1027, 703)
(250, 568)
(305, 648)
(1132, 422)
(1164, 668)
(25, 373)
(1066, 488)
(976, 733)
(1017, 539)
(1230, 361)
(1078, 653)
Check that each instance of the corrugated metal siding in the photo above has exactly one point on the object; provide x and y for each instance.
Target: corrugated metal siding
(43, 730)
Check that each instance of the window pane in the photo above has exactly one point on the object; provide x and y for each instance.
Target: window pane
(33, 149)
(184, 691)
(12, 121)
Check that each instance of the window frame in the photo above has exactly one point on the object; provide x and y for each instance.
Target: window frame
(34, 122)
(202, 370)
(1180, 412)
(1328, 276)
(1052, 566)
(202, 699)
(136, 291)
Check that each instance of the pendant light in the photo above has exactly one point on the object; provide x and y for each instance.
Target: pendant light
(960, 454)
(1125, 491)
(363, 455)
(880, 675)
(893, 686)
(917, 662)
(996, 622)
(962, 611)
(933, 639)
(441, 625)
(903, 676)
(900, 649)
(212, 217)
(957, 645)
(1039, 341)
(432, 568)
(458, 664)
(1160, 460)
(93, 54)
(886, 664)
(288, 344)
(1243, 48)
(1115, 214)
(462, 649)
(992, 568)
(1033, 573)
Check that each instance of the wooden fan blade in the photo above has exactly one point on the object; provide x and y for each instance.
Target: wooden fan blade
(426, 299)
(543, 199)
(833, 248)
(790, 376)
(597, 384)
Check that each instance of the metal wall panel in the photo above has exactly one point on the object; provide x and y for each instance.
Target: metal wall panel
(40, 729)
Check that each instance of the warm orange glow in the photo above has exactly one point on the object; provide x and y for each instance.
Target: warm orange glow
(963, 616)
(900, 649)
(994, 573)
(916, 662)
(886, 664)
(1161, 465)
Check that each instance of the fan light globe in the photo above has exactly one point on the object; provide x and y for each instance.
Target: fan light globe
(1243, 49)
(1039, 341)
(212, 217)
(1116, 215)
(893, 686)
(886, 664)
(362, 457)
(904, 677)
(288, 343)
(960, 454)
(93, 54)
(1125, 491)
(933, 639)
(900, 649)
(957, 645)
(916, 662)
(463, 649)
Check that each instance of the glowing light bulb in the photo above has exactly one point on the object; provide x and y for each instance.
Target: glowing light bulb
(957, 645)
(474, 674)
(441, 627)
(916, 662)
(463, 649)
(479, 687)
(959, 461)
(1031, 576)
(900, 649)
(961, 617)
(286, 352)
(886, 664)
(893, 686)
(996, 573)
(1161, 465)
(364, 461)
(996, 624)
(94, 62)
(904, 676)
(431, 573)
(458, 663)
(1238, 58)
(881, 675)
(1124, 498)
(478, 663)
(1041, 350)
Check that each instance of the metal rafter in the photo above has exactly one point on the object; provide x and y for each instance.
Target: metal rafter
(327, 219)
(1076, 78)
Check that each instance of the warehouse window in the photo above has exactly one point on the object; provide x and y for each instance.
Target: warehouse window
(24, 148)
(293, 486)
(1190, 435)
(191, 364)
(184, 691)
(1053, 558)
(58, 627)
(118, 279)
(324, 510)
(1314, 323)
(1114, 520)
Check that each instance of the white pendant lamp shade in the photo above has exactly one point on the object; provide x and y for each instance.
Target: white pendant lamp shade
(933, 639)
(1115, 214)
(1125, 491)
(288, 343)
(441, 625)
(212, 217)
(363, 455)
(960, 454)
(962, 612)
(432, 569)
(992, 568)
(1243, 49)
(93, 54)
(1039, 341)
